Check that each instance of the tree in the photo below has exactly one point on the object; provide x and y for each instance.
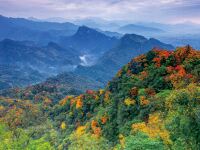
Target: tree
(20, 139)
(140, 141)
(87, 141)
(183, 107)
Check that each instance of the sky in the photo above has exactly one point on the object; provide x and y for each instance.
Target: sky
(163, 11)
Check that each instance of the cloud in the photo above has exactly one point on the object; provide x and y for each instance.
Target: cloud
(134, 10)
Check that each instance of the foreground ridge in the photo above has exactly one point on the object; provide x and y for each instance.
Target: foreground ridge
(153, 102)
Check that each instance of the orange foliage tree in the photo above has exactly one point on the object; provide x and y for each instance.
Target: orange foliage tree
(104, 119)
(79, 101)
(95, 128)
(144, 101)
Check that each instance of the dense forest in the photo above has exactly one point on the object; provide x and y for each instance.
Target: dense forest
(153, 102)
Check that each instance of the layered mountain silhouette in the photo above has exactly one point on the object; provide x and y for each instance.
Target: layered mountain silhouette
(43, 49)
(139, 29)
(13, 76)
(39, 32)
(130, 45)
(48, 59)
(88, 40)
(27, 63)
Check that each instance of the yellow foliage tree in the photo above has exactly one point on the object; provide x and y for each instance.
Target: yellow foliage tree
(96, 97)
(129, 101)
(154, 128)
(63, 126)
(80, 130)
(107, 96)
(63, 102)
(101, 91)
(1, 108)
(47, 101)
(122, 140)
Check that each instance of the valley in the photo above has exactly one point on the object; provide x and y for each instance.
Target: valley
(98, 84)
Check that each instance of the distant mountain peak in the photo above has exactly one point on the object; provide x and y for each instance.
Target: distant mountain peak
(133, 37)
(89, 41)
(10, 42)
(134, 28)
(7, 40)
(84, 30)
(53, 45)
(83, 27)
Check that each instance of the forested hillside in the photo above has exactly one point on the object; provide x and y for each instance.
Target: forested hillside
(54, 88)
(23, 63)
(153, 102)
(130, 45)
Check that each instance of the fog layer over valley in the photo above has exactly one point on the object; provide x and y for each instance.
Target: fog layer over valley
(88, 50)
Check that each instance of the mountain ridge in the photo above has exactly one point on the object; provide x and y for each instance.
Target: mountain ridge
(151, 103)
(130, 45)
(39, 32)
(45, 61)
(88, 40)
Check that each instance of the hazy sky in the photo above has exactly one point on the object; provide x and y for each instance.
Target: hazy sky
(170, 11)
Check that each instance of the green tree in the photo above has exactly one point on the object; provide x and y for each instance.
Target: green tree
(141, 141)
(183, 120)
(19, 139)
(87, 141)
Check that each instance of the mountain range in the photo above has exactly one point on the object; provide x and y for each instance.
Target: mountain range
(179, 34)
(38, 31)
(43, 59)
(130, 45)
(47, 30)
(69, 87)
(23, 63)
(152, 103)
(89, 52)
(139, 29)
(89, 41)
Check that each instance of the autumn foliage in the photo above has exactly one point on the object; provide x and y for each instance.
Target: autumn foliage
(152, 103)
(154, 128)
(95, 128)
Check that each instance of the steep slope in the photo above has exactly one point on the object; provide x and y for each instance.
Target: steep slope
(87, 40)
(40, 32)
(152, 103)
(130, 45)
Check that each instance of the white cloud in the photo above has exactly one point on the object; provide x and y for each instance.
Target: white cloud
(136, 10)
